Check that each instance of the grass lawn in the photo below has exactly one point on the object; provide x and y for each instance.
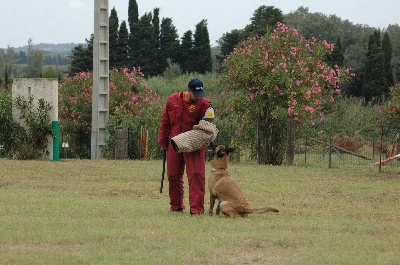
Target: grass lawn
(111, 212)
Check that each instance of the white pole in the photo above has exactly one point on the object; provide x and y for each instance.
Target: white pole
(100, 94)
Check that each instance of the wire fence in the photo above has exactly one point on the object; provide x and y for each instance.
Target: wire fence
(337, 146)
(336, 149)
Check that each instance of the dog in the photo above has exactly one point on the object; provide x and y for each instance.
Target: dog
(222, 186)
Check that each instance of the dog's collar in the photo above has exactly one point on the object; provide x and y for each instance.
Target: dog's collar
(217, 169)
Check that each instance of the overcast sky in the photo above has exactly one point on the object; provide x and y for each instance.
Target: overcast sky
(66, 21)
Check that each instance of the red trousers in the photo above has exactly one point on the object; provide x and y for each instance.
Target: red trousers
(195, 170)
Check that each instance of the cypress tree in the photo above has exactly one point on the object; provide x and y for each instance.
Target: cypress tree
(133, 14)
(156, 25)
(156, 65)
(387, 53)
(337, 56)
(169, 43)
(113, 38)
(202, 49)
(123, 46)
(374, 86)
(186, 58)
(133, 20)
(145, 53)
(355, 87)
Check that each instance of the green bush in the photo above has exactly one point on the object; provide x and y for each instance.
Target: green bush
(30, 137)
(6, 121)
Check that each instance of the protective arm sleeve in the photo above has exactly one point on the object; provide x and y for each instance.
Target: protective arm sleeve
(200, 137)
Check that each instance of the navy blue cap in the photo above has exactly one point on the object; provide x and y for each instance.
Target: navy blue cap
(196, 86)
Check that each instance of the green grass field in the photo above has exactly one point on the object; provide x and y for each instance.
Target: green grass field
(111, 212)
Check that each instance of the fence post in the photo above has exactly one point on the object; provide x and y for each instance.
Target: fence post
(330, 146)
(121, 142)
(305, 151)
(380, 151)
(290, 145)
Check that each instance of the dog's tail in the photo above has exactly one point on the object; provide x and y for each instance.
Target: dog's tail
(264, 210)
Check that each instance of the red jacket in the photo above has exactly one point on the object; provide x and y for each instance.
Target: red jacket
(179, 116)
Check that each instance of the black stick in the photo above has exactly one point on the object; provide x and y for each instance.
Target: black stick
(163, 169)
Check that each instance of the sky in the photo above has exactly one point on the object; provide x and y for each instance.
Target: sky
(71, 21)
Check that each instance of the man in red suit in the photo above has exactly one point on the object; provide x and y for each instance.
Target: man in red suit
(182, 111)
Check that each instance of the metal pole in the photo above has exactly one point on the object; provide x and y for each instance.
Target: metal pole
(56, 141)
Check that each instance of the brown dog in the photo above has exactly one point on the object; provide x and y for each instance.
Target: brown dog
(231, 200)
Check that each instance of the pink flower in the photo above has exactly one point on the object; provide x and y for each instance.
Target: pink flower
(309, 109)
(290, 110)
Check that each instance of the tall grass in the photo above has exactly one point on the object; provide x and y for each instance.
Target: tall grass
(165, 87)
(111, 212)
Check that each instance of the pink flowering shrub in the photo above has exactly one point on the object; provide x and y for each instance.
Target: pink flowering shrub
(280, 76)
(391, 110)
(129, 95)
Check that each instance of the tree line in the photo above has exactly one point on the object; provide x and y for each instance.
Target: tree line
(22, 57)
(29, 64)
(149, 43)
(373, 54)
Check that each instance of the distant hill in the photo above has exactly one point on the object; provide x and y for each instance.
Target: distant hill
(48, 48)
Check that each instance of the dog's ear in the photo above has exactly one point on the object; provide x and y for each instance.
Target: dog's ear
(213, 146)
(230, 150)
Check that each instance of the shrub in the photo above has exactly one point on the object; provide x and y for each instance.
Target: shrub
(129, 96)
(132, 104)
(173, 70)
(75, 112)
(391, 110)
(279, 76)
(6, 121)
(30, 138)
